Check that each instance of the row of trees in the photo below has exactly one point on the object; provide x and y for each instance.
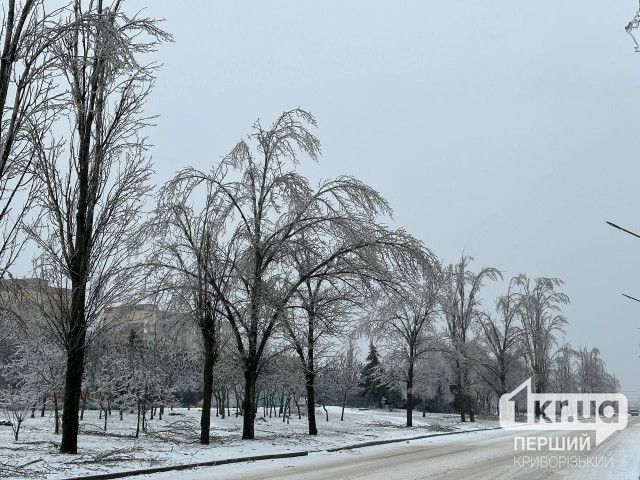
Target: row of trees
(260, 259)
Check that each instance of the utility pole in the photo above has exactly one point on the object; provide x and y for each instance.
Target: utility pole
(630, 233)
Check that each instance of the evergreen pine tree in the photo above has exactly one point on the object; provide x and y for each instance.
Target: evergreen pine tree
(370, 386)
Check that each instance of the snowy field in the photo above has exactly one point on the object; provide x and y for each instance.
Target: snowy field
(174, 439)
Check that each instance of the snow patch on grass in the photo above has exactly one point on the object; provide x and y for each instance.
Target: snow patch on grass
(174, 440)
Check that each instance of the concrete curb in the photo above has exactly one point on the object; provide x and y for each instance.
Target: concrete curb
(188, 466)
(408, 439)
(256, 458)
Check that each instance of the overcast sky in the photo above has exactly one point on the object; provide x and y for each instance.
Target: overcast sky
(508, 130)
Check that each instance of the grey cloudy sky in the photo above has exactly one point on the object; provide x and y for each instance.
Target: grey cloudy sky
(506, 129)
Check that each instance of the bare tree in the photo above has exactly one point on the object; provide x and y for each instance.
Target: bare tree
(590, 371)
(90, 235)
(501, 338)
(324, 307)
(27, 109)
(405, 323)
(321, 309)
(267, 214)
(19, 392)
(187, 259)
(540, 319)
(431, 383)
(564, 369)
(461, 305)
(348, 369)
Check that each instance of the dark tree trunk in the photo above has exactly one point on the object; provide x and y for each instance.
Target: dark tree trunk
(56, 414)
(462, 392)
(410, 392)
(138, 424)
(540, 388)
(44, 403)
(284, 415)
(248, 402)
(84, 404)
(325, 411)
(311, 403)
(344, 402)
(73, 388)
(209, 339)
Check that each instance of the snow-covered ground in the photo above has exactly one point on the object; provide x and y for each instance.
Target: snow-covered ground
(174, 440)
(474, 456)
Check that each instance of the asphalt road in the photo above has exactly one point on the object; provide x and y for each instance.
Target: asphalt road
(481, 455)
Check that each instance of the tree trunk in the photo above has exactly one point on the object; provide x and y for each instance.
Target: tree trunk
(284, 415)
(44, 403)
(462, 393)
(138, 424)
(248, 402)
(72, 390)
(56, 414)
(325, 411)
(205, 418)
(410, 392)
(17, 430)
(311, 403)
(344, 402)
(106, 414)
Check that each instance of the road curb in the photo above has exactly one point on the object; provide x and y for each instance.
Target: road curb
(189, 466)
(408, 439)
